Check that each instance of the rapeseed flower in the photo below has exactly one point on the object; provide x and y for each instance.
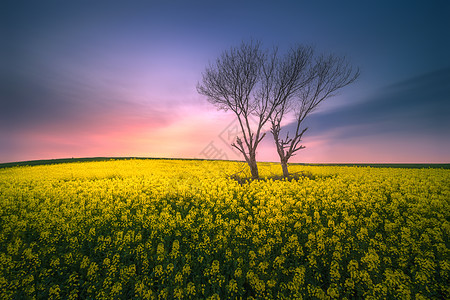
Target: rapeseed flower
(184, 229)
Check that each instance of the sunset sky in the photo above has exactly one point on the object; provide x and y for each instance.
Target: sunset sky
(118, 78)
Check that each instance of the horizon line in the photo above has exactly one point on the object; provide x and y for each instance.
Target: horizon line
(104, 158)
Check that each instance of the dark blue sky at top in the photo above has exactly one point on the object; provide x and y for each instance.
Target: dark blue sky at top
(75, 64)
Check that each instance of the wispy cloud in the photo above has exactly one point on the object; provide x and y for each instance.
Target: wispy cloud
(419, 105)
(400, 117)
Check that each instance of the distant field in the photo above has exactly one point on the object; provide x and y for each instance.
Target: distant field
(187, 229)
(91, 159)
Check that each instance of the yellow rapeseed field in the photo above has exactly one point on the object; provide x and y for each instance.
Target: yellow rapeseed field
(172, 229)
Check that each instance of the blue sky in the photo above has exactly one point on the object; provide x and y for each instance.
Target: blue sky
(118, 78)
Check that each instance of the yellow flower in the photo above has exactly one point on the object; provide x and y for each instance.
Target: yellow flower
(215, 267)
(159, 270)
(170, 268)
(84, 262)
(54, 263)
(383, 232)
(54, 292)
(186, 269)
(238, 273)
(179, 278)
(178, 293)
(93, 268)
(190, 289)
(232, 286)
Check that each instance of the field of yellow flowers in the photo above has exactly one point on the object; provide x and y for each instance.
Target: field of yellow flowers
(172, 229)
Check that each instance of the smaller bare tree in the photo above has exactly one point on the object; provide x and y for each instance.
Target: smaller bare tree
(325, 76)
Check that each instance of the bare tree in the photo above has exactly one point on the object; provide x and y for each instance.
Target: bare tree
(323, 78)
(234, 83)
(262, 86)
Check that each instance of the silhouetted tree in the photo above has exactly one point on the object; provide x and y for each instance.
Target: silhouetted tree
(236, 82)
(261, 86)
(323, 77)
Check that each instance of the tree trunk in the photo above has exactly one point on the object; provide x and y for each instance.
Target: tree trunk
(285, 168)
(253, 167)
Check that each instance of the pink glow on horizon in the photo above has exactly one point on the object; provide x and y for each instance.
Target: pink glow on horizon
(185, 131)
(187, 136)
(182, 133)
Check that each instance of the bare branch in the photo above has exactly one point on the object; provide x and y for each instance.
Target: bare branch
(304, 83)
(269, 87)
(241, 148)
(231, 83)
